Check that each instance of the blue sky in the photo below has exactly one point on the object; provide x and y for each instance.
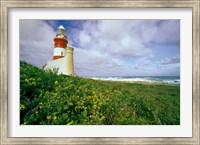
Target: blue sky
(107, 47)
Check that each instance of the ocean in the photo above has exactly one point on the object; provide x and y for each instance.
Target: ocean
(159, 79)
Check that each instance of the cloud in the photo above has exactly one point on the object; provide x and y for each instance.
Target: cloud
(161, 32)
(113, 37)
(170, 60)
(92, 63)
(85, 40)
(36, 42)
(105, 45)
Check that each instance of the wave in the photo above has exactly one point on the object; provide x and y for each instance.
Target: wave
(168, 80)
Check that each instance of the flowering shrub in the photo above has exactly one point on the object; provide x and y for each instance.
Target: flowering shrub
(50, 99)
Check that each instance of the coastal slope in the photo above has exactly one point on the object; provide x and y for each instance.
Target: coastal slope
(50, 99)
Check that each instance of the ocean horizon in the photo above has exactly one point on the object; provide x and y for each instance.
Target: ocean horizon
(157, 79)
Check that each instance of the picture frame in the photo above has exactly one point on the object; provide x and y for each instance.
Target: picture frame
(6, 5)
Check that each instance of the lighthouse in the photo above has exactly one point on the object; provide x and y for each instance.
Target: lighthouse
(62, 59)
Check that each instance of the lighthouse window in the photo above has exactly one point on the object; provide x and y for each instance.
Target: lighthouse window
(61, 53)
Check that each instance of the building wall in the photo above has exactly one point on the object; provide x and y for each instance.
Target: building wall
(59, 64)
(63, 65)
(70, 60)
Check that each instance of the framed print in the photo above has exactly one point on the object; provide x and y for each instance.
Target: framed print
(100, 72)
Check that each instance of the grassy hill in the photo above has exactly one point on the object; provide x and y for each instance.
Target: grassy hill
(47, 98)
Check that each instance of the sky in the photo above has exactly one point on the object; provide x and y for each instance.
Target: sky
(107, 47)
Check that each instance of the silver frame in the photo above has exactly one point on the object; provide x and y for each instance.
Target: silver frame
(4, 88)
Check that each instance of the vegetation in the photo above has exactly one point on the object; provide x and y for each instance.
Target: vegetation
(50, 99)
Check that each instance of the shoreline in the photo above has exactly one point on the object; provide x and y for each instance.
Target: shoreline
(167, 80)
(136, 82)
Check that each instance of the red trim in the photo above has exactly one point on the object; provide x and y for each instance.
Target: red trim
(60, 42)
(60, 45)
(57, 57)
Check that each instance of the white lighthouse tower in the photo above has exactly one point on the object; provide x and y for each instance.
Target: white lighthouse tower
(63, 56)
(60, 43)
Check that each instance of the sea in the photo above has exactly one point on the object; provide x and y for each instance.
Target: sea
(158, 79)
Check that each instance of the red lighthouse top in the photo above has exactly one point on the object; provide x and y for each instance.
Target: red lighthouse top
(60, 43)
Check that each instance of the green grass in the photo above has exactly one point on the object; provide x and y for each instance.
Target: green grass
(50, 99)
